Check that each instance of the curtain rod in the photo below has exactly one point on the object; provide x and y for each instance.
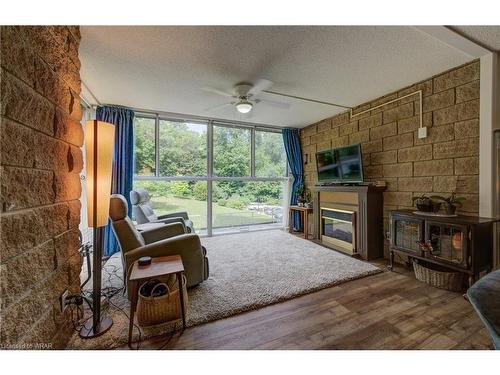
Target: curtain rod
(180, 116)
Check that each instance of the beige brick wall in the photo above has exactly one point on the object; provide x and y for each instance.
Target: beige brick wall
(445, 161)
(41, 136)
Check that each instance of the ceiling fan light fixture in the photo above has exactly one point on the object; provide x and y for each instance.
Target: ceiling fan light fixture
(244, 106)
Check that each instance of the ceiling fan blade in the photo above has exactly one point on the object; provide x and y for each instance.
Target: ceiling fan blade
(217, 107)
(260, 85)
(217, 91)
(272, 103)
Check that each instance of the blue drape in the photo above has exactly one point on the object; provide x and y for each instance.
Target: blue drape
(291, 140)
(123, 158)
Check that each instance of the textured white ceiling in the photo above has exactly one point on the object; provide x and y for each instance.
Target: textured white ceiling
(163, 68)
(488, 36)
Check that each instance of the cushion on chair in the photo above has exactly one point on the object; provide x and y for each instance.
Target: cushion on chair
(143, 212)
(189, 224)
(148, 211)
(118, 207)
(139, 196)
(127, 235)
(134, 197)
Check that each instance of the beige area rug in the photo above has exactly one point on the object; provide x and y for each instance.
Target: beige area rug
(247, 271)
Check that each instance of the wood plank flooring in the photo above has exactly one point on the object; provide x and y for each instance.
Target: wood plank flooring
(391, 310)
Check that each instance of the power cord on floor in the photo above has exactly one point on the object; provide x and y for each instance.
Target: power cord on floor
(109, 292)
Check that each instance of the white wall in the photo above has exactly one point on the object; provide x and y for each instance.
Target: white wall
(488, 119)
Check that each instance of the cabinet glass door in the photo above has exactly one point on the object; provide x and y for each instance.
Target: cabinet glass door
(448, 242)
(407, 235)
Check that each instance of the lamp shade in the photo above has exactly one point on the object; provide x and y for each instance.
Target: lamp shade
(99, 141)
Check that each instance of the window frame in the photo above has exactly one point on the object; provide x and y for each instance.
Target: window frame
(210, 177)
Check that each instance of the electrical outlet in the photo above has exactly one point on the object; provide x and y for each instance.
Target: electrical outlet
(422, 132)
(63, 300)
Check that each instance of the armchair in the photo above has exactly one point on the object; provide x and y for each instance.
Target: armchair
(168, 239)
(144, 213)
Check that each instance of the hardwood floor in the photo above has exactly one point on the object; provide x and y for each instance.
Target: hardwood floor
(391, 310)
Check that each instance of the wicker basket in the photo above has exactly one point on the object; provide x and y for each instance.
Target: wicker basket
(162, 309)
(437, 276)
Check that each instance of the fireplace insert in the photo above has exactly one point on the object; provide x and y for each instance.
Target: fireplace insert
(338, 229)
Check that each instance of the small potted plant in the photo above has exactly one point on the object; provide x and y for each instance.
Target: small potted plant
(451, 203)
(426, 204)
(300, 195)
(308, 199)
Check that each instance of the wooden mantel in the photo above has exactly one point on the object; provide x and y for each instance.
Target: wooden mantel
(367, 202)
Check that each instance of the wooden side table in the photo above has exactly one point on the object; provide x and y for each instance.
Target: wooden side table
(159, 267)
(304, 212)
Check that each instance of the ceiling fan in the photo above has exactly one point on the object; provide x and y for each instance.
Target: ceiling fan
(245, 96)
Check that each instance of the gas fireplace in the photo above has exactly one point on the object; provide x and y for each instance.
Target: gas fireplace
(349, 219)
(338, 229)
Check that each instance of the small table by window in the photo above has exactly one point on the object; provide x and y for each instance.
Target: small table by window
(304, 212)
(160, 266)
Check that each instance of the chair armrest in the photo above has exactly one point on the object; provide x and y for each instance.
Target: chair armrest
(170, 220)
(182, 214)
(185, 245)
(163, 232)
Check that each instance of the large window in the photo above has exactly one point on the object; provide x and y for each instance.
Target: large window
(232, 152)
(270, 157)
(227, 177)
(183, 148)
(145, 146)
(245, 204)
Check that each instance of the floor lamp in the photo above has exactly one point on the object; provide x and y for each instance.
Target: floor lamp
(99, 141)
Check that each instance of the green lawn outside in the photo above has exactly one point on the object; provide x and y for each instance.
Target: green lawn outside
(197, 210)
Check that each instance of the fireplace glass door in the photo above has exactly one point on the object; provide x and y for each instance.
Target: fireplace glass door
(338, 229)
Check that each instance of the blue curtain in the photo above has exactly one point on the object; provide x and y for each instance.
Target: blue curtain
(123, 157)
(291, 139)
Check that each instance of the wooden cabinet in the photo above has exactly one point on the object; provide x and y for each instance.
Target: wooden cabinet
(462, 243)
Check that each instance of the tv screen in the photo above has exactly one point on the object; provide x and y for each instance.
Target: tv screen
(341, 164)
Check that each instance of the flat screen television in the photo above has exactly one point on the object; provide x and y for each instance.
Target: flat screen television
(340, 165)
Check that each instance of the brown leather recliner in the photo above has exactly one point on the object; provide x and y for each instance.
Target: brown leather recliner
(168, 239)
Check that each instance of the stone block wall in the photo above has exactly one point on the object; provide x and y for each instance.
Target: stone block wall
(444, 162)
(41, 159)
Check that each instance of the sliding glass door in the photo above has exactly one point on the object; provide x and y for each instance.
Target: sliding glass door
(227, 177)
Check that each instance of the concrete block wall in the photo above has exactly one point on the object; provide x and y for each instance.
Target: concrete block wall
(41, 159)
(444, 162)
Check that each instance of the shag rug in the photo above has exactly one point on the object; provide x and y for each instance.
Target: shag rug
(247, 271)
